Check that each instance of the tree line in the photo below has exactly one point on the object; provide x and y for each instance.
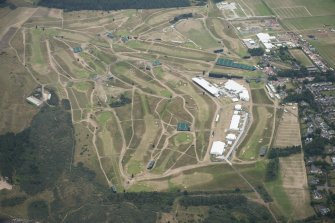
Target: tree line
(37, 156)
(73, 5)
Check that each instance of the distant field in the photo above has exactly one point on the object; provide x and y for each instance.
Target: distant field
(315, 8)
(288, 133)
(255, 7)
(301, 56)
(312, 23)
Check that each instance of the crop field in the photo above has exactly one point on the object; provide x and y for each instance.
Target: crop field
(325, 44)
(255, 8)
(288, 133)
(294, 181)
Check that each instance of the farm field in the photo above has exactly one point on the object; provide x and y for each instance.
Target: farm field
(288, 132)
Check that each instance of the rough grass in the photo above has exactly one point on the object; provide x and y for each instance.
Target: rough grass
(259, 133)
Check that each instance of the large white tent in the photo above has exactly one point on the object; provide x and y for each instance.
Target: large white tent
(235, 122)
(234, 87)
(218, 148)
(244, 95)
(207, 86)
(231, 137)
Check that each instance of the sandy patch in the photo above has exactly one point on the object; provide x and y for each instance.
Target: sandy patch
(5, 185)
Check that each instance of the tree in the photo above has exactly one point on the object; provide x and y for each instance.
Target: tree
(256, 51)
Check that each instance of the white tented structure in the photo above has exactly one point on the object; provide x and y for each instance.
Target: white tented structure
(235, 122)
(34, 101)
(237, 89)
(238, 107)
(207, 86)
(231, 137)
(218, 148)
(244, 95)
(266, 39)
(233, 86)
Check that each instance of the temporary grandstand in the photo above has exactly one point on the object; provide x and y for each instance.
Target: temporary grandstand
(77, 49)
(218, 148)
(230, 63)
(207, 86)
(183, 126)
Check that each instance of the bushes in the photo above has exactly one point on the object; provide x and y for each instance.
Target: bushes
(71, 5)
(225, 200)
(272, 170)
(273, 153)
(122, 100)
(38, 210)
(256, 51)
(13, 201)
(37, 156)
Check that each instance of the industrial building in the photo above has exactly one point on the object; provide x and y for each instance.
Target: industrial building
(250, 43)
(214, 91)
(235, 121)
(218, 148)
(266, 40)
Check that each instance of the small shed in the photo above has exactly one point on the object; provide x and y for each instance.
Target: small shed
(183, 126)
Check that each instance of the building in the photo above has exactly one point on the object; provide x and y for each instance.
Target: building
(238, 107)
(214, 91)
(250, 43)
(233, 87)
(244, 95)
(266, 40)
(34, 101)
(235, 121)
(231, 137)
(183, 126)
(218, 148)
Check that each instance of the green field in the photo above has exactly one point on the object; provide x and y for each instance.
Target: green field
(301, 57)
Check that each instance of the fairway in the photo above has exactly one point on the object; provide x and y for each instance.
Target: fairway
(259, 134)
